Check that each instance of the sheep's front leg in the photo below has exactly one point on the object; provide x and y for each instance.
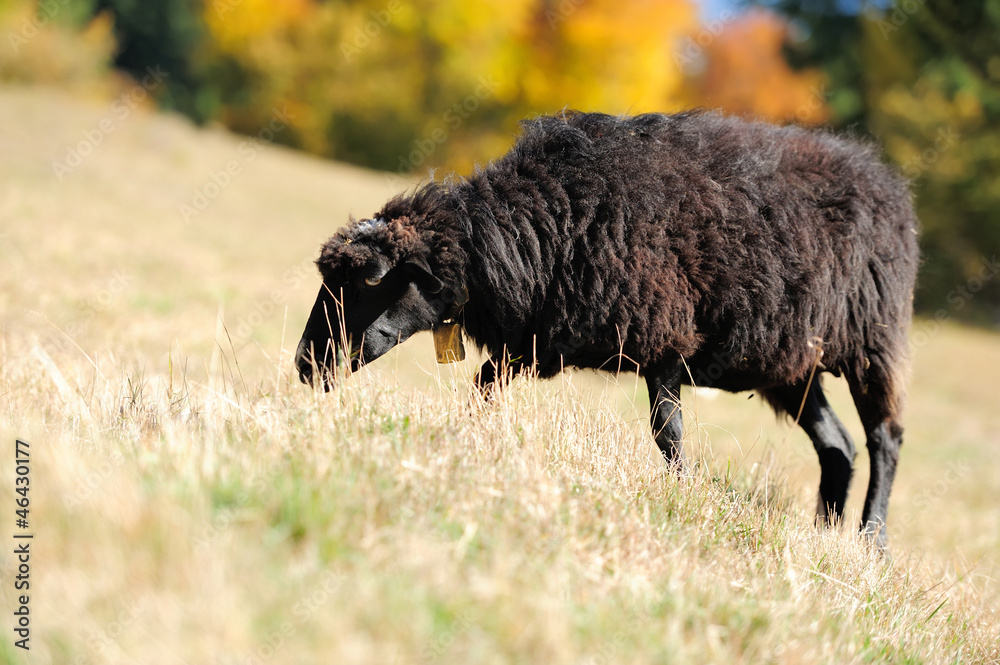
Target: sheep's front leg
(665, 412)
(486, 378)
(495, 371)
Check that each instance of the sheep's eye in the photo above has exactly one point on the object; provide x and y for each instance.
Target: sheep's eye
(373, 281)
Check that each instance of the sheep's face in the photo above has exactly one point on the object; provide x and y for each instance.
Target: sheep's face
(367, 304)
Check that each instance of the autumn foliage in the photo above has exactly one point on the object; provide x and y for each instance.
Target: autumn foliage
(406, 85)
(745, 72)
(409, 85)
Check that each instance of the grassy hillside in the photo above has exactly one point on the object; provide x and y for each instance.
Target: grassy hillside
(193, 503)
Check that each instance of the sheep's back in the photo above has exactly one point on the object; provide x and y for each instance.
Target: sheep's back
(659, 235)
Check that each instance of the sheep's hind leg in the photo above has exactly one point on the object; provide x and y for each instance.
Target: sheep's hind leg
(885, 438)
(665, 413)
(833, 444)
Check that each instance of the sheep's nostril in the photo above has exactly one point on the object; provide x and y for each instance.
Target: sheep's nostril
(305, 372)
(304, 363)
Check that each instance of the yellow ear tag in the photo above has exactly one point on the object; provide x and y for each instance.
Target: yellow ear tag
(448, 343)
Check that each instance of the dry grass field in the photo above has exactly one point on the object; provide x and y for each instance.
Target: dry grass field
(192, 502)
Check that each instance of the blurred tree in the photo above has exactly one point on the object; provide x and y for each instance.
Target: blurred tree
(59, 43)
(744, 71)
(829, 39)
(404, 84)
(168, 35)
(934, 95)
(925, 76)
(602, 55)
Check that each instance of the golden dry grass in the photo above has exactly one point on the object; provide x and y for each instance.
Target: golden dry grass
(192, 502)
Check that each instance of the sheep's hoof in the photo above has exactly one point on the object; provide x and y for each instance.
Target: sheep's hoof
(876, 535)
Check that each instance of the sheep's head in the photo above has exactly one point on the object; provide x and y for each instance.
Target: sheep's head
(377, 291)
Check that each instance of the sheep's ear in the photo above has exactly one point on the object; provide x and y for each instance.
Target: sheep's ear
(420, 273)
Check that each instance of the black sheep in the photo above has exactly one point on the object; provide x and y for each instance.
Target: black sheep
(694, 248)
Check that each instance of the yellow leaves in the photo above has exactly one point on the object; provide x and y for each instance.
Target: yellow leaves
(626, 52)
(372, 79)
(479, 25)
(480, 39)
(927, 126)
(235, 22)
(40, 48)
(99, 33)
(604, 55)
(968, 106)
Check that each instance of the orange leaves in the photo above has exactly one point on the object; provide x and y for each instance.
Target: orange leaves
(746, 73)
